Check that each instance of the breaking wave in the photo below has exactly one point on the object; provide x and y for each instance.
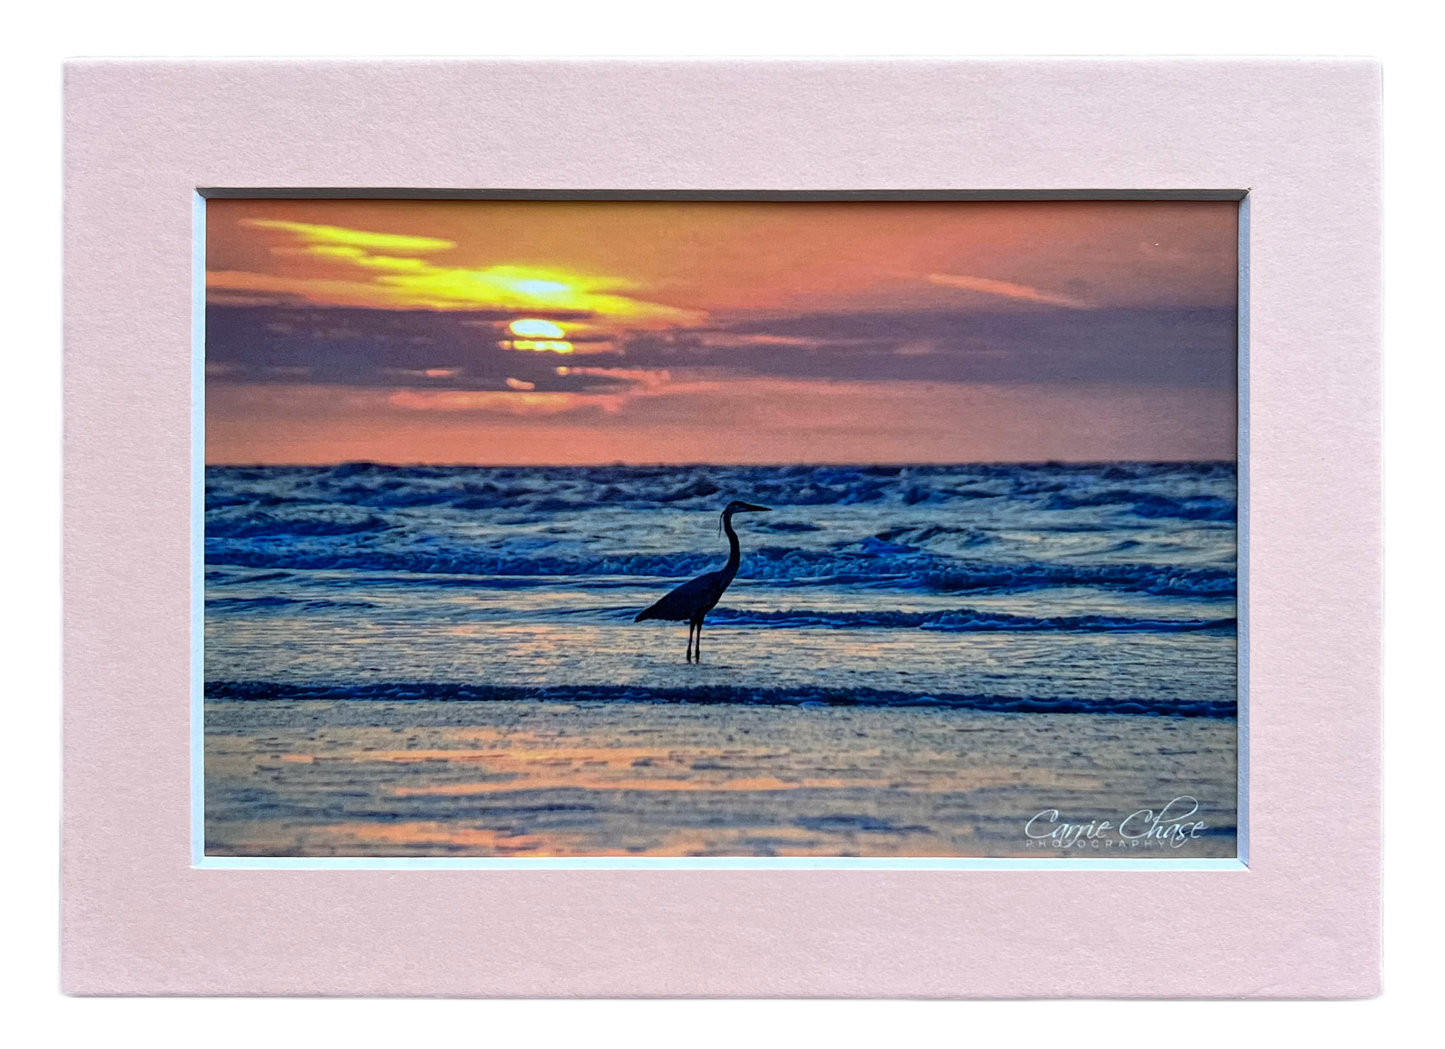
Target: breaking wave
(417, 691)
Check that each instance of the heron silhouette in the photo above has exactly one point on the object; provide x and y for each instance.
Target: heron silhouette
(697, 597)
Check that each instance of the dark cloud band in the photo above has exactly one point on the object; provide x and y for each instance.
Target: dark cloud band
(1194, 347)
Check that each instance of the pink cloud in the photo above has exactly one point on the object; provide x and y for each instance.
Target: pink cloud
(989, 286)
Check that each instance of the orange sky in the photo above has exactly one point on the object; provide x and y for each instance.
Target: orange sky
(508, 332)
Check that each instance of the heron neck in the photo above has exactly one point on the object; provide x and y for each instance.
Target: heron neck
(734, 553)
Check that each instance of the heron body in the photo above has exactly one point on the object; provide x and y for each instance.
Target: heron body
(693, 600)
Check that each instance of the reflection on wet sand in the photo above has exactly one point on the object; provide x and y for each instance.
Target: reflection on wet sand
(571, 779)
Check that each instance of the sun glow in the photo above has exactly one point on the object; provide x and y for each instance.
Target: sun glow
(541, 287)
(540, 345)
(532, 327)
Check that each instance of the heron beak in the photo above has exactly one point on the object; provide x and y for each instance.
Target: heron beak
(753, 506)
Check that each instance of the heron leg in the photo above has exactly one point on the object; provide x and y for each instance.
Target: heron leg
(689, 641)
(698, 649)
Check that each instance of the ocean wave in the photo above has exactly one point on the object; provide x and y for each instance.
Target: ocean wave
(1150, 504)
(257, 604)
(962, 620)
(554, 489)
(805, 697)
(875, 564)
(959, 620)
(784, 527)
(245, 523)
(1158, 580)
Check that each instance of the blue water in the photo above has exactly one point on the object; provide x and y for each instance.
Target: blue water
(1035, 587)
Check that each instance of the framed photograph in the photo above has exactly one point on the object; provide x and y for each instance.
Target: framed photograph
(600, 535)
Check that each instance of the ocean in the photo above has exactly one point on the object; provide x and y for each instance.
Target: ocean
(912, 660)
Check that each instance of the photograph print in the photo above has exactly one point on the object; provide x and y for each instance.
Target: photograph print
(765, 529)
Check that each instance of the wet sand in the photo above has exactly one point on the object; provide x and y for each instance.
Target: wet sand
(540, 778)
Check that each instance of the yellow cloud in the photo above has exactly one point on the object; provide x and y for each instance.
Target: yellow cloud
(396, 277)
(391, 262)
(334, 251)
(353, 237)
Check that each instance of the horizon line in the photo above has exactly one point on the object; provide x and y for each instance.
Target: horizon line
(721, 465)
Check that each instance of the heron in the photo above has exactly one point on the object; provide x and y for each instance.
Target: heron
(697, 597)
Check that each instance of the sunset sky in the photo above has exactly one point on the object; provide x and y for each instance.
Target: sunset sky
(510, 332)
